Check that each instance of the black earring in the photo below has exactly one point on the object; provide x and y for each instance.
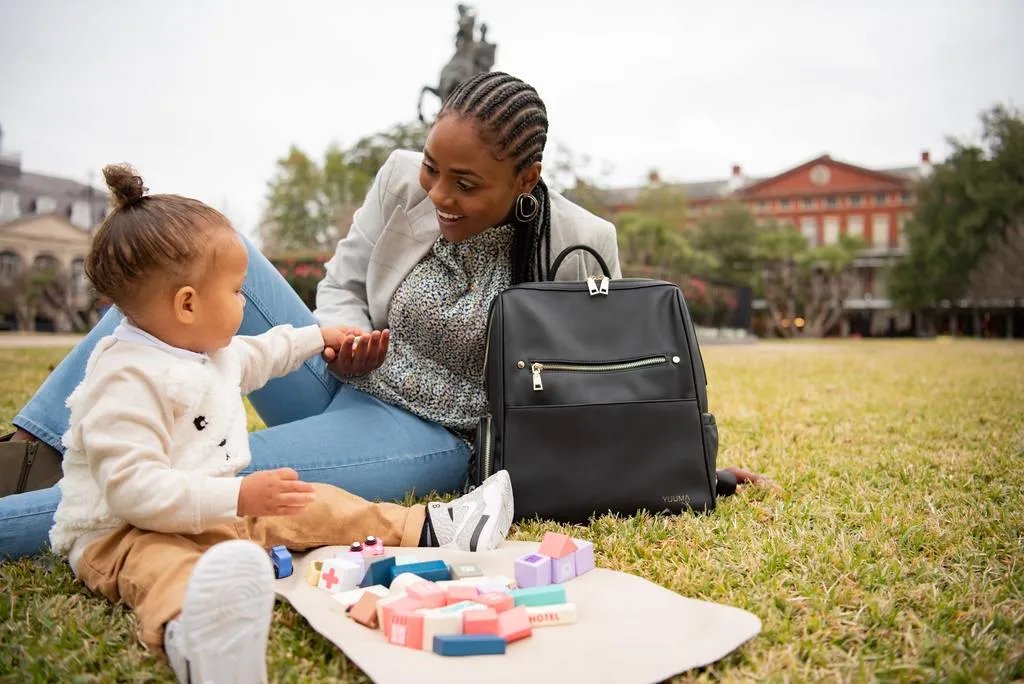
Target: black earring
(527, 207)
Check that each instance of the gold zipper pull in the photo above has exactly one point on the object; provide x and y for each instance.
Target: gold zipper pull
(537, 384)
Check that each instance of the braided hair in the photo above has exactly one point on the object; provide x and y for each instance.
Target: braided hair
(514, 122)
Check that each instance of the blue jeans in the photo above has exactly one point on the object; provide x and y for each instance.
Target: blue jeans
(324, 429)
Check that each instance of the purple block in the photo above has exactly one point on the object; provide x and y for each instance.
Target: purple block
(533, 570)
(584, 556)
(563, 569)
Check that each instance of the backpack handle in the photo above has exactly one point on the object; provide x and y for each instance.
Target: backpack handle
(569, 250)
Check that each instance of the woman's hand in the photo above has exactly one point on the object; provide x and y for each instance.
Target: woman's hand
(350, 351)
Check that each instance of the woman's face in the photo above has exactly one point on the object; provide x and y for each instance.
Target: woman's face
(470, 189)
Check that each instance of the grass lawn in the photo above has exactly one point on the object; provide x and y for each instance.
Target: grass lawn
(892, 551)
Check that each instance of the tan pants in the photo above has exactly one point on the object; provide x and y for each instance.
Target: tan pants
(149, 571)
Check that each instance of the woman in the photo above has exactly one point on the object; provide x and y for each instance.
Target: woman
(437, 237)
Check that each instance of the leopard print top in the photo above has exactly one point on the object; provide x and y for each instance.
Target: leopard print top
(438, 324)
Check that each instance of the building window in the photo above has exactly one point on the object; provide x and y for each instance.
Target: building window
(880, 231)
(10, 266)
(906, 198)
(880, 199)
(831, 202)
(762, 206)
(855, 200)
(44, 205)
(901, 230)
(784, 204)
(807, 203)
(9, 209)
(855, 226)
(831, 225)
(809, 229)
(78, 282)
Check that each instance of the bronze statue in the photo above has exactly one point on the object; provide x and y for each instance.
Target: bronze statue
(471, 57)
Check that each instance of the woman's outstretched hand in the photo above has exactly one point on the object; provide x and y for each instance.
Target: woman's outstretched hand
(350, 351)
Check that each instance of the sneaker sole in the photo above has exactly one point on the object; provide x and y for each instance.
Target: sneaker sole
(226, 615)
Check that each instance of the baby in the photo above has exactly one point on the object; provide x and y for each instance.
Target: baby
(153, 511)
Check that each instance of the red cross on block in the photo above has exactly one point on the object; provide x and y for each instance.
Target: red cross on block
(329, 578)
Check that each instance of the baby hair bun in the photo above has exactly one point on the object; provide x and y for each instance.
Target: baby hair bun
(125, 185)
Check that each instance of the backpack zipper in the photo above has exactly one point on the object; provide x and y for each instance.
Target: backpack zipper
(537, 367)
(487, 450)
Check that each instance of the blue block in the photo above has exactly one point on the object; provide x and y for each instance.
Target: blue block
(468, 644)
(379, 572)
(282, 561)
(435, 570)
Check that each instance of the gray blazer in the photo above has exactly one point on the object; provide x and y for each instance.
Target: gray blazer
(396, 227)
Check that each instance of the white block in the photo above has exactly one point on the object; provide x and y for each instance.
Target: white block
(550, 616)
(349, 598)
(435, 622)
(339, 575)
(406, 560)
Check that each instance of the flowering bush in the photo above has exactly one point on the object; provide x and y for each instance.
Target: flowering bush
(303, 273)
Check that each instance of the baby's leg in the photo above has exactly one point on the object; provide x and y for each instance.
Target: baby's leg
(212, 592)
(478, 521)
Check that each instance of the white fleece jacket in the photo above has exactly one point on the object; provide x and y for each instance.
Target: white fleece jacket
(156, 439)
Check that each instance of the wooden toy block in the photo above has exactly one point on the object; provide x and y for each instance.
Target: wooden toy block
(365, 610)
(514, 625)
(492, 587)
(429, 594)
(584, 556)
(405, 560)
(462, 607)
(465, 570)
(563, 569)
(539, 596)
(533, 570)
(354, 558)
(437, 622)
(373, 547)
(556, 545)
(550, 616)
(282, 560)
(480, 621)
(338, 575)
(434, 570)
(459, 594)
(500, 602)
(313, 573)
(401, 583)
(406, 629)
(387, 608)
(468, 644)
(379, 572)
(346, 599)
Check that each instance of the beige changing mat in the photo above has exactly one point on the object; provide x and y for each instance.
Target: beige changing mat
(628, 630)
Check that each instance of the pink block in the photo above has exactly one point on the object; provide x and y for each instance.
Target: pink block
(406, 629)
(428, 593)
(514, 624)
(480, 622)
(405, 605)
(499, 602)
(373, 546)
(556, 545)
(460, 594)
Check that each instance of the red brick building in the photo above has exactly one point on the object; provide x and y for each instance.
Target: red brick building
(825, 198)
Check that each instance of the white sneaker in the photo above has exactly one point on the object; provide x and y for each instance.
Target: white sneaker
(478, 521)
(221, 635)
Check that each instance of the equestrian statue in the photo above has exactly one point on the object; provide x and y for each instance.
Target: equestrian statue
(471, 57)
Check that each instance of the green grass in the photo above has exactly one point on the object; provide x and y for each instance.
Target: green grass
(892, 551)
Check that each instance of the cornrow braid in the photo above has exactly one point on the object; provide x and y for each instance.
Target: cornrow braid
(514, 122)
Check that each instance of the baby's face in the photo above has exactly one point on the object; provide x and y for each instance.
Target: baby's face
(220, 298)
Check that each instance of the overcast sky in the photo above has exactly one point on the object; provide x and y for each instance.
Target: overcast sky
(204, 95)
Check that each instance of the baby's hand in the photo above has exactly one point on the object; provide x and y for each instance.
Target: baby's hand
(274, 492)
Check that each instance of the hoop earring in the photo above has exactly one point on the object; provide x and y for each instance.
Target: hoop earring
(526, 208)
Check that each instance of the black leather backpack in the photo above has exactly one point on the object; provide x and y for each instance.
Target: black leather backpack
(598, 399)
